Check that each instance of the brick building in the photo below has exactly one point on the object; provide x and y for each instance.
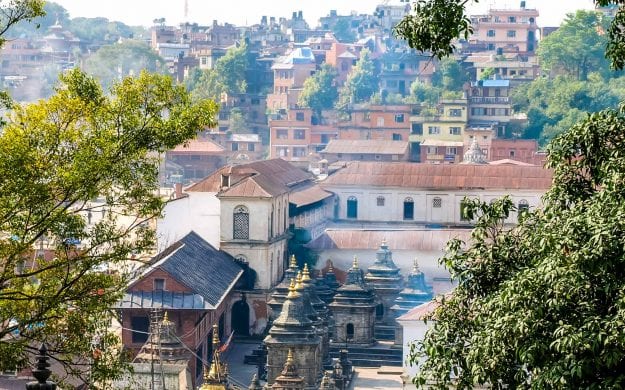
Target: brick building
(377, 122)
(193, 282)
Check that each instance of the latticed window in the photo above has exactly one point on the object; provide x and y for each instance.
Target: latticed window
(437, 203)
(380, 201)
(523, 206)
(241, 223)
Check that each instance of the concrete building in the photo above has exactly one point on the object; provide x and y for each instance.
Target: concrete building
(407, 193)
(365, 150)
(505, 30)
(290, 72)
(490, 107)
(376, 122)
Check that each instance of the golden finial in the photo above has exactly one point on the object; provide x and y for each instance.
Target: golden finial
(415, 266)
(165, 318)
(298, 281)
(293, 263)
(355, 263)
(289, 357)
(306, 273)
(206, 375)
(292, 293)
(215, 335)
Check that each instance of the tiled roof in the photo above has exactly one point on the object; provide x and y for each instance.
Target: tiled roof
(259, 178)
(366, 146)
(198, 146)
(308, 195)
(422, 240)
(420, 312)
(193, 262)
(441, 177)
(507, 161)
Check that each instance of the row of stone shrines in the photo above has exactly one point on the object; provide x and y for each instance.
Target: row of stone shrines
(314, 313)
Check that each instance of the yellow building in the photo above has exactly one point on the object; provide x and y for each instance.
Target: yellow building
(437, 133)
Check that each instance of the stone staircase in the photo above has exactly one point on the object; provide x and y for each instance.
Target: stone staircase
(381, 354)
(384, 332)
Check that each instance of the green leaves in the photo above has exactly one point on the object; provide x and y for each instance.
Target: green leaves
(541, 305)
(79, 174)
(434, 25)
(319, 92)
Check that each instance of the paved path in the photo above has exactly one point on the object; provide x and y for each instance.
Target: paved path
(239, 372)
(368, 378)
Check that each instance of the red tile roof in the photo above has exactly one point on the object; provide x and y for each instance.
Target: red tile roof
(420, 312)
(308, 195)
(444, 176)
(423, 239)
(198, 146)
(256, 179)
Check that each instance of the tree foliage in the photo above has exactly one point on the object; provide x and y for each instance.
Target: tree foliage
(56, 157)
(434, 25)
(577, 47)
(542, 305)
(319, 92)
(227, 76)
(361, 84)
(554, 104)
(449, 75)
(130, 57)
(19, 12)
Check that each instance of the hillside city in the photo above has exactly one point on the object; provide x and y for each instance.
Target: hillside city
(294, 239)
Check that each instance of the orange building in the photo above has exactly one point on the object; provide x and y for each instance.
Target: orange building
(384, 122)
(290, 72)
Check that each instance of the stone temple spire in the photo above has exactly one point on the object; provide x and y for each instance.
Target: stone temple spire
(281, 290)
(385, 279)
(415, 292)
(289, 378)
(474, 154)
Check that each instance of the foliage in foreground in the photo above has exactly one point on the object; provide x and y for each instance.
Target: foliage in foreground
(542, 305)
(56, 157)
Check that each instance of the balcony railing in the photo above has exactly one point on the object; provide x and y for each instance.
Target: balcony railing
(490, 100)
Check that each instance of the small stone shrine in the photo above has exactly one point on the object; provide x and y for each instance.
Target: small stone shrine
(289, 378)
(415, 292)
(385, 280)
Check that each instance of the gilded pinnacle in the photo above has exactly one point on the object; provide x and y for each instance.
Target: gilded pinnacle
(306, 274)
(355, 263)
(292, 293)
(298, 281)
(293, 263)
(289, 357)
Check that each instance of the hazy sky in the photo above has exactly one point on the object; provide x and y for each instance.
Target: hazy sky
(240, 12)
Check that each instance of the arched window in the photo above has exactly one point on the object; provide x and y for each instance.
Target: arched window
(380, 201)
(241, 223)
(352, 207)
(408, 209)
(523, 207)
(437, 202)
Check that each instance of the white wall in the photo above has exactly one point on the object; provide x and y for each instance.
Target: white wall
(413, 330)
(393, 208)
(198, 212)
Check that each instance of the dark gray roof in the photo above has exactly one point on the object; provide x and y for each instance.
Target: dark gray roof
(207, 271)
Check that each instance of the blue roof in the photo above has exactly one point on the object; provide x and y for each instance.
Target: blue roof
(493, 83)
(301, 55)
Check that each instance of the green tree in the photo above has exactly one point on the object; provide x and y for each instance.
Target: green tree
(320, 92)
(29, 18)
(361, 84)
(102, 30)
(343, 32)
(487, 73)
(130, 57)
(434, 25)
(449, 75)
(56, 157)
(228, 75)
(541, 305)
(423, 93)
(578, 46)
(238, 123)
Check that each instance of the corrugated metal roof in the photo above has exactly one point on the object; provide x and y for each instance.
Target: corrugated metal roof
(422, 240)
(308, 195)
(199, 146)
(163, 299)
(440, 142)
(420, 312)
(366, 146)
(443, 176)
